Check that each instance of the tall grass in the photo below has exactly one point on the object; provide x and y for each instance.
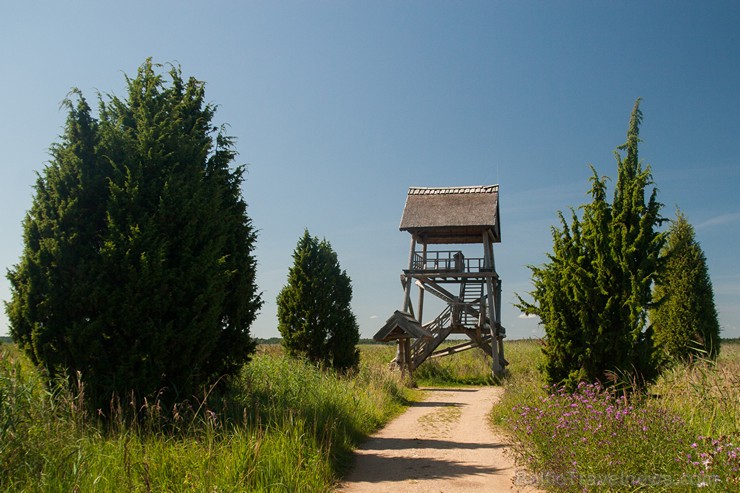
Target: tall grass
(35, 427)
(705, 393)
(681, 436)
(471, 367)
(282, 425)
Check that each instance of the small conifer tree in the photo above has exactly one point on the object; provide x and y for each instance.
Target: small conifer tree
(685, 318)
(315, 318)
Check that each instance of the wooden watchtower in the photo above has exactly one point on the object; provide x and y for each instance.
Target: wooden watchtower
(469, 287)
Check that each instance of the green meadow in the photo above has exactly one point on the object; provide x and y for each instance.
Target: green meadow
(286, 425)
(282, 425)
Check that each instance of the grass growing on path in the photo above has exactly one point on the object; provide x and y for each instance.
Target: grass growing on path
(684, 435)
(284, 425)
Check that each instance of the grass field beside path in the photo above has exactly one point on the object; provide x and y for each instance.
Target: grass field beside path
(682, 435)
(283, 425)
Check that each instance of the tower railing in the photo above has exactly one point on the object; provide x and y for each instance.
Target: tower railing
(448, 261)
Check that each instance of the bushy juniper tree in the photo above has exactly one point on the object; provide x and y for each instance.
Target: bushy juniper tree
(314, 313)
(593, 295)
(138, 267)
(685, 319)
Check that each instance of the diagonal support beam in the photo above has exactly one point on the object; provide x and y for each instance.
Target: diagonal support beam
(437, 291)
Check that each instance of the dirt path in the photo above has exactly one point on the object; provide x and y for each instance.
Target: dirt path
(443, 444)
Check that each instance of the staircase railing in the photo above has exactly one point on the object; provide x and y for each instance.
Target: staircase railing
(440, 328)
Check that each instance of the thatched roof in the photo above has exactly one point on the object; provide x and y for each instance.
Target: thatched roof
(452, 215)
(400, 325)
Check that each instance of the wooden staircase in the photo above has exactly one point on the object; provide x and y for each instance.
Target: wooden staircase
(462, 315)
(440, 328)
(471, 294)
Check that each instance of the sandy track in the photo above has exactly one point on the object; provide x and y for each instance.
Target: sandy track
(443, 444)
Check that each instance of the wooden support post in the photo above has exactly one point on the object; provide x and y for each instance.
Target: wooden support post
(421, 304)
(407, 289)
(421, 289)
(493, 315)
(402, 351)
(490, 246)
(481, 317)
(401, 360)
(500, 339)
(407, 350)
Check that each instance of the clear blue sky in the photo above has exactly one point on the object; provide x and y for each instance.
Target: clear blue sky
(340, 106)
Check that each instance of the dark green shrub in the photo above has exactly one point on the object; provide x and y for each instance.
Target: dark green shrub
(138, 267)
(593, 295)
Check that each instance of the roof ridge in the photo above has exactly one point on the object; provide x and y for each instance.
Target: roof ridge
(452, 190)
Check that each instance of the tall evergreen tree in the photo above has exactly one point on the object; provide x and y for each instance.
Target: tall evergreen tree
(685, 319)
(593, 295)
(138, 267)
(314, 313)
